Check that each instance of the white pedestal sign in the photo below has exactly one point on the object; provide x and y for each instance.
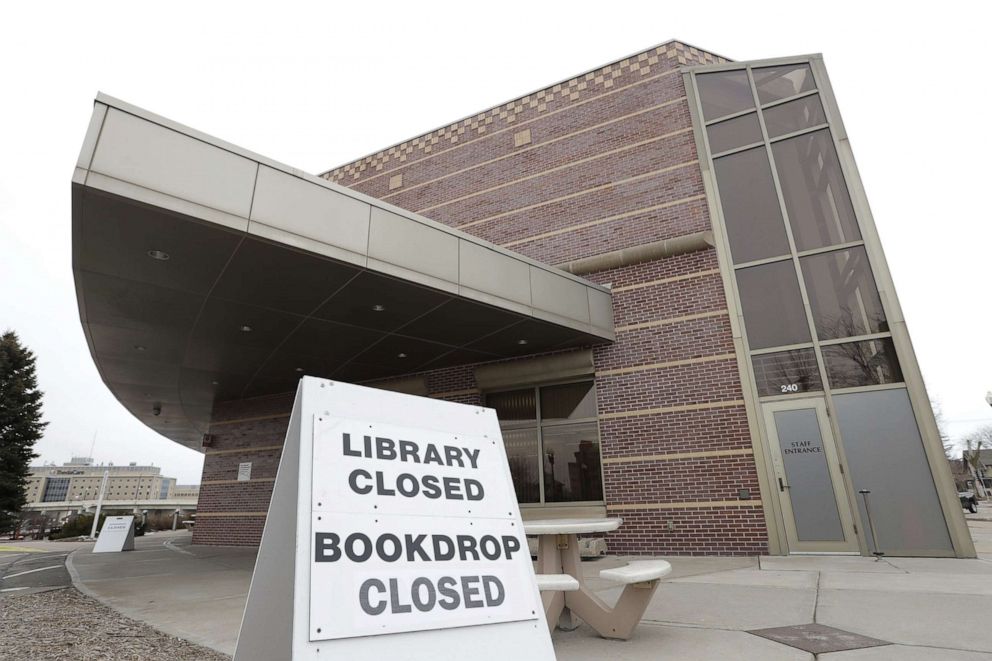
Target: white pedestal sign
(116, 535)
(393, 532)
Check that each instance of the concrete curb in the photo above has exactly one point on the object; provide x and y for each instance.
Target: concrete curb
(169, 545)
(78, 582)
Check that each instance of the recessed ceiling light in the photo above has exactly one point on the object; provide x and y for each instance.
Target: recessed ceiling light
(139, 347)
(521, 341)
(401, 355)
(160, 255)
(299, 369)
(245, 328)
(378, 308)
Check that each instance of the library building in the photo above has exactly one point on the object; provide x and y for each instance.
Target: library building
(663, 274)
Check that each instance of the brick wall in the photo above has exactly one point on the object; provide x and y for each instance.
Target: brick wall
(603, 161)
(675, 442)
(231, 512)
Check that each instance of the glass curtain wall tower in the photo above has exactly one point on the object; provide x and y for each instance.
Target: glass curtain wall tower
(844, 426)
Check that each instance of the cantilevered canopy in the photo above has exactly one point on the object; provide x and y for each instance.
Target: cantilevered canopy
(205, 273)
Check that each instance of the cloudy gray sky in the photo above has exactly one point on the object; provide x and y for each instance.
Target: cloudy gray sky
(317, 85)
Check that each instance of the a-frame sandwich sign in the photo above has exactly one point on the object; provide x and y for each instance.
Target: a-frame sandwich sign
(116, 535)
(393, 532)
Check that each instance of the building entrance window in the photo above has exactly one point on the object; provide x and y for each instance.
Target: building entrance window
(552, 442)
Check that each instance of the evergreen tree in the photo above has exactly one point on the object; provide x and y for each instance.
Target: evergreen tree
(20, 425)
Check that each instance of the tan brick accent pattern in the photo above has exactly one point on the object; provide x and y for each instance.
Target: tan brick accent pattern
(666, 57)
(600, 162)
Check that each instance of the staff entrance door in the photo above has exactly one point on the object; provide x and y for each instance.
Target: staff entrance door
(809, 478)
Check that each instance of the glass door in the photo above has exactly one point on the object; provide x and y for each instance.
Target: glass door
(809, 478)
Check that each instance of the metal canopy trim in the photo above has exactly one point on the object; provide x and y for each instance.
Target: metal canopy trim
(205, 272)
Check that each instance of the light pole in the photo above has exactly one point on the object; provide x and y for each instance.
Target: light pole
(137, 489)
(99, 503)
(978, 466)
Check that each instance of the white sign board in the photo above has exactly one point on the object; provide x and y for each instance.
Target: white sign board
(116, 535)
(408, 537)
(244, 471)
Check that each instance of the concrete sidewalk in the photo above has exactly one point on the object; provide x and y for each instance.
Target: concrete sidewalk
(197, 593)
(920, 608)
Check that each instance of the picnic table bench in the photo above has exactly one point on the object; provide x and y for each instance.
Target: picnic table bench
(564, 592)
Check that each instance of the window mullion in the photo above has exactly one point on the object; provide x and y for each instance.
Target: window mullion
(733, 115)
(778, 102)
(540, 444)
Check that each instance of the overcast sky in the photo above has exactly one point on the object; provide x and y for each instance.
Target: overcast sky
(315, 86)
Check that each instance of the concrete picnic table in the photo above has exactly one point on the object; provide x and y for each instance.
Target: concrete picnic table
(563, 589)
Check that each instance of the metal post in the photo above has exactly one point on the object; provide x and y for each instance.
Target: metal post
(99, 503)
(871, 525)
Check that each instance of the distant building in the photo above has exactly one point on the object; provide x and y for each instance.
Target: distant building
(76, 484)
(961, 474)
(184, 491)
(984, 470)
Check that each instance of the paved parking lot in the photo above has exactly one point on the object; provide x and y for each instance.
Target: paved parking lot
(27, 571)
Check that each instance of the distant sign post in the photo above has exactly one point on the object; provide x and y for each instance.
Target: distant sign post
(408, 538)
(116, 535)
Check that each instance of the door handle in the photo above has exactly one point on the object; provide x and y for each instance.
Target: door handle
(782, 486)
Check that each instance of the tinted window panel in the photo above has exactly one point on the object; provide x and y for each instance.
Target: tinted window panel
(786, 372)
(774, 83)
(734, 133)
(794, 116)
(56, 489)
(521, 454)
(815, 193)
(750, 206)
(842, 294)
(571, 401)
(515, 408)
(571, 463)
(772, 305)
(724, 93)
(867, 363)
(885, 455)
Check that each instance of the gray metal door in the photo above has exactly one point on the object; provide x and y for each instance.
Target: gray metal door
(808, 478)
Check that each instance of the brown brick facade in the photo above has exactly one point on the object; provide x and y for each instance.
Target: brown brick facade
(608, 161)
